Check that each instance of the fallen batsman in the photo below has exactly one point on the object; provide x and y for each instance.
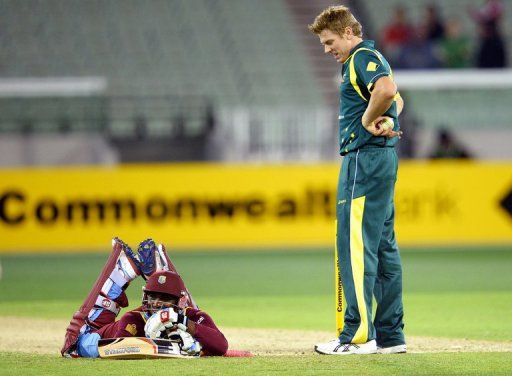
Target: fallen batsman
(167, 324)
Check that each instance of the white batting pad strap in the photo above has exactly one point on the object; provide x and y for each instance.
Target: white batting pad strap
(125, 267)
(118, 277)
(162, 260)
(107, 304)
(106, 287)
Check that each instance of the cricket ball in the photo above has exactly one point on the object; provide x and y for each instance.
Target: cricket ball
(386, 124)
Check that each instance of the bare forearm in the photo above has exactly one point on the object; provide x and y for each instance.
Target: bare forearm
(380, 101)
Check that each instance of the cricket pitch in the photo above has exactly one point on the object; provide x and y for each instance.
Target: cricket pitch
(46, 337)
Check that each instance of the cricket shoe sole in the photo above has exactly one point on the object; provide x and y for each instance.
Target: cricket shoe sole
(398, 349)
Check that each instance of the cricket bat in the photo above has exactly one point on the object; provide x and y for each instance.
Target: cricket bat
(172, 268)
(146, 348)
(139, 348)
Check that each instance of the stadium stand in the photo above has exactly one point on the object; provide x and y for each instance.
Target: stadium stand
(233, 51)
(323, 66)
(379, 15)
(184, 73)
(167, 63)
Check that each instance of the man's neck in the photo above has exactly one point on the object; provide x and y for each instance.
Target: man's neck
(356, 41)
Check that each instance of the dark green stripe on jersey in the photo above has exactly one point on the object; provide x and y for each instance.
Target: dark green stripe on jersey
(364, 66)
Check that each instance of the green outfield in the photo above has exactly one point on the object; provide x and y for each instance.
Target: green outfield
(455, 294)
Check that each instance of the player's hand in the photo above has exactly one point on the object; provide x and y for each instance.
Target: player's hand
(164, 319)
(189, 344)
(383, 126)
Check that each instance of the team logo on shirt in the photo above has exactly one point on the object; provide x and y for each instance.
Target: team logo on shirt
(372, 67)
(162, 279)
(131, 328)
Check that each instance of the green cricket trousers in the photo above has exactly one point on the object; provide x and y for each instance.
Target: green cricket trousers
(368, 254)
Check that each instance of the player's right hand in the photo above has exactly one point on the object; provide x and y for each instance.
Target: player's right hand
(383, 126)
(164, 319)
(160, 321)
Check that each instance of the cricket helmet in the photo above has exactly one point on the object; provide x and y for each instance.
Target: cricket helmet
(164, 284)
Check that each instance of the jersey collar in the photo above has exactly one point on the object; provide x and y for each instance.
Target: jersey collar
(365, 43)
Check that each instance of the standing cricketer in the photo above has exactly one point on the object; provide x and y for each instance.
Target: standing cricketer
(368, 255)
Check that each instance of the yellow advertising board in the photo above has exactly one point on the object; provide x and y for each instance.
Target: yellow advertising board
(214, 206)
(454, 203)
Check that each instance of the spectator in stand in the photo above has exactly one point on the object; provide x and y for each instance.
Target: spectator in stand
(492, 51)
(434, 26)
(419, 53)
(454, 48)
(448, 147)
(397, 33)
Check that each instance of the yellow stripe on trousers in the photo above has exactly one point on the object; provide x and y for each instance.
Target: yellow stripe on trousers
(338, 287)
(357, 263)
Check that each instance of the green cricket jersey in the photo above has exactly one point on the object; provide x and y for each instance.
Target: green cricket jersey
(364, 66)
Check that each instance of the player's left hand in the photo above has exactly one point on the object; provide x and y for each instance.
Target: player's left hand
(188, 343)
(164, 319)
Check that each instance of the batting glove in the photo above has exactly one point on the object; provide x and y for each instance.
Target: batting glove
(189, 344)
(164, 319)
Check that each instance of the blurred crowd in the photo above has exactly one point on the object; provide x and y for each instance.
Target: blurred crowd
(436, 42)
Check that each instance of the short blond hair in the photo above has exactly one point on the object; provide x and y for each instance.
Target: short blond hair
(336, 19)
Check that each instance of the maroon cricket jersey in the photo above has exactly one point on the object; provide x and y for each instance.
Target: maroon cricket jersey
(207, 334)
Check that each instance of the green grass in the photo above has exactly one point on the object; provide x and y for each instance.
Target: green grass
(447, 293)
(408, 364)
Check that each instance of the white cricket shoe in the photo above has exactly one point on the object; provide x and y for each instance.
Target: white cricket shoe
(398, 349)
(334, 347)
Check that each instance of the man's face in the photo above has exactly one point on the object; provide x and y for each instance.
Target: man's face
(336, 45)
(156, 301)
